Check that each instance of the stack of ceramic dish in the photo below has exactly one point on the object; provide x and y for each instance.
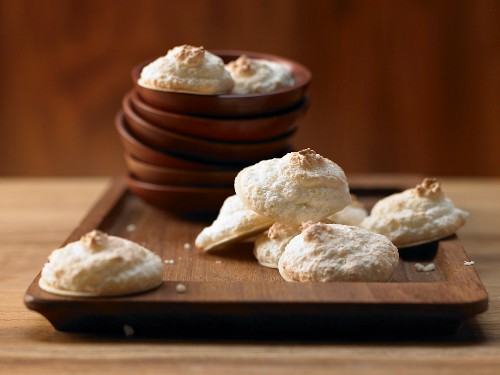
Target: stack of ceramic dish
(183, 151)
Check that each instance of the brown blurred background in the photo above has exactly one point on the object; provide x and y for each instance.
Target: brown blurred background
(399, 86)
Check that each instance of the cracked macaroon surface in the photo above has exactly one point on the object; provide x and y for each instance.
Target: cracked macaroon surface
(258, 75)
(271, 244)
(188, 69)
(335, 252)
(99, 264)
(298, 187)
(415, 215)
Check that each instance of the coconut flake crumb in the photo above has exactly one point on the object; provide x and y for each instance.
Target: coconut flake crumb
(187, 246)
(430, 267)
(131, 228)
(128, 330)
(427, 268)
(181, 288)
(218, 261)
(468, 263)
(169, 261)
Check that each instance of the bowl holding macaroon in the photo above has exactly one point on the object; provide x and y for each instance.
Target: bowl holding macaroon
(194, 81)
(218, 110)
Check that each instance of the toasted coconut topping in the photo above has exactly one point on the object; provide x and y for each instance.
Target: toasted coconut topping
(243, 66)
(429, 188)
(314, 232)
(95, 240)
(189, 54)
(307, 158)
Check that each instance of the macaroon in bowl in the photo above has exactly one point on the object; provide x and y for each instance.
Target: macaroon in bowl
(225, 103)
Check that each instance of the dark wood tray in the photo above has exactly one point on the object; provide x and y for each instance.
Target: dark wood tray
(228, 293)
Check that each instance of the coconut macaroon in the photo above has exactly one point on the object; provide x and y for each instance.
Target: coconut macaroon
(234, 222)
(335, 252)
(353, 214)
(101, 265)
(298, 187)
(258, 75)
(187, 69)
(416, 215)
(271, 244)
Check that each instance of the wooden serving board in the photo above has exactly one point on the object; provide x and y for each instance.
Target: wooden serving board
(228, 293)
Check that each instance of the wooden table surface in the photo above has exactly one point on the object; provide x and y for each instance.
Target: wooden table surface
(36, 216)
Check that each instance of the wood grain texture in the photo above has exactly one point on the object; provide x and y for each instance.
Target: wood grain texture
(399, 86)
(37, 214)
(229, 288)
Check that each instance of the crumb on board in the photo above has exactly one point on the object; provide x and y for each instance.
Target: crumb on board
(180, 288)
(218, 261)
(169, 261)
(128, 330)
(427, 268)
(187, 246)
(468, 263)
(131, 228)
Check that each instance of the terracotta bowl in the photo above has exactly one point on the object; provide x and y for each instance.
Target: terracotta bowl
(219, 129)
(153, 156)
(180, 199)
(230, 105)
(180, 177)
(203, 150)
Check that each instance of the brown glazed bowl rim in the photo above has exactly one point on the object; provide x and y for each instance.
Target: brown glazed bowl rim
(237, 130)
(177, 188)
(150, 173)
(134, 98)
(161, 169)
(130, 111)
(230, 105)
(161, 158)
(204, 150)
(183, 200)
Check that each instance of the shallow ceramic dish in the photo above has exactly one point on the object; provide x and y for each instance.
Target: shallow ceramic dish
(153, 156)
(203, 150)
(230, 105)
(180, 199)
(173, 176)
(219, 129)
